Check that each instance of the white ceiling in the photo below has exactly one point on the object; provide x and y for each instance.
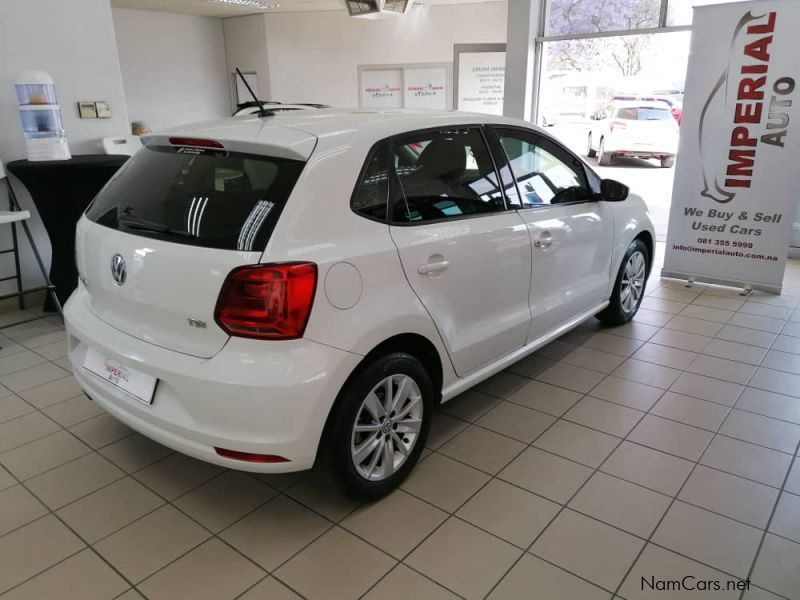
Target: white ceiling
(212, 9)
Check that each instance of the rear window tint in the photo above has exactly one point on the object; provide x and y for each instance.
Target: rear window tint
(212, 199)
(644, 114)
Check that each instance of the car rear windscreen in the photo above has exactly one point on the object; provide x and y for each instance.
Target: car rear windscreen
(644, 114)
(208, 198)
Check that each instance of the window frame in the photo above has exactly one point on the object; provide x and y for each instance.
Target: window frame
(590, 179)
(374, 149)
(394, 182)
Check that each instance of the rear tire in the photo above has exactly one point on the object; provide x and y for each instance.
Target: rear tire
(369, 445)
(629, 286)
(667, 162)
(590, 152)
(605, 158)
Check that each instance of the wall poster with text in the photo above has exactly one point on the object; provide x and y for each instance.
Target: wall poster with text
(481, 82)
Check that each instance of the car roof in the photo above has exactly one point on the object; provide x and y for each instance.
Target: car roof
(294, 134)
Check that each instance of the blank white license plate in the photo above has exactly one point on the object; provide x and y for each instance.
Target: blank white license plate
(139, 385)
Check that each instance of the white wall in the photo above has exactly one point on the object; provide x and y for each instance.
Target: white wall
(173, 66)
(314, 56)
(74, 42)
(246, 48)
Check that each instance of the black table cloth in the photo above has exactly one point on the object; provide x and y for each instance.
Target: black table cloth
(61, 191)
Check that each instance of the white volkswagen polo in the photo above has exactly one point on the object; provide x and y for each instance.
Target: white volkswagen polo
(270, 294)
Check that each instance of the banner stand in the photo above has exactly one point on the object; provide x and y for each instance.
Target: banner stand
(745, 286)
(734, 198)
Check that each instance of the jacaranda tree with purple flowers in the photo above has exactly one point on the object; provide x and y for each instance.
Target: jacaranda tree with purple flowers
(567, 17)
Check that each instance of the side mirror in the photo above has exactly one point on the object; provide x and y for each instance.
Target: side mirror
(613, 191)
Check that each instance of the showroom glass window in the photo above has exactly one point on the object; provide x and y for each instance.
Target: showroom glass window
(372, 194)
(213, 199)
(594, 51)
(545, 174)
(444, 174)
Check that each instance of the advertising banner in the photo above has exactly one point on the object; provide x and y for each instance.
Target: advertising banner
(735, 191)
(481, 82)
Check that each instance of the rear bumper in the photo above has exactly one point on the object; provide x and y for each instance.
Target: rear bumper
(620, 145)
(253, 396)
(643, 153)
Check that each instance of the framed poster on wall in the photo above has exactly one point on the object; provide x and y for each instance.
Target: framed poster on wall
(381, 88)
(424, 86)
(480, 77)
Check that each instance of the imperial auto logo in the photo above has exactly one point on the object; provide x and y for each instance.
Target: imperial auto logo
(741, 91)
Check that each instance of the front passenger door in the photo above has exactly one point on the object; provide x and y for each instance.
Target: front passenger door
(571, 231)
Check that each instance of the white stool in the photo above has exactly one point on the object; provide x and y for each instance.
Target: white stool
(12, 217)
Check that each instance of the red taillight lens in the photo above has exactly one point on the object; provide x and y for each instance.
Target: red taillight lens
(618, 125)
(269, 302)
(194, 142)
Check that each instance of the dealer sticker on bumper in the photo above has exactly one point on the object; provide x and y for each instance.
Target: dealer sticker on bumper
(135, 383)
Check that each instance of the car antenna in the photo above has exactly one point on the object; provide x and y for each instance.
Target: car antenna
(262, 112)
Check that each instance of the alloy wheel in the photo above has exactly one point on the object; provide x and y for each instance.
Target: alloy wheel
(386, 428)
(632, 284)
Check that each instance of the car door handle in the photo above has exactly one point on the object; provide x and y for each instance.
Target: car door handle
(544, 241)
(432, 268)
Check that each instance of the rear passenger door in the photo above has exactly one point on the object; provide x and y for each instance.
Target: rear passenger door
(467, 257)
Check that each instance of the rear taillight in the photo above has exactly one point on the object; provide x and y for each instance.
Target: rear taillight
(618, 125)
(268, 302)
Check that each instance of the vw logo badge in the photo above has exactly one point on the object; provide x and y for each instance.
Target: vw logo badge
(118, 269)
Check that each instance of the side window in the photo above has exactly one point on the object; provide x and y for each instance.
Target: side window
(443, 174)
(371, 196)
(545, 173)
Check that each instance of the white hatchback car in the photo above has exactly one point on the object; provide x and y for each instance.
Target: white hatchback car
(275, 293)
(640, 129)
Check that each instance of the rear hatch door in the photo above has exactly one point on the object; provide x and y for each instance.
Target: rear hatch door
(649, 126)
(156, 245)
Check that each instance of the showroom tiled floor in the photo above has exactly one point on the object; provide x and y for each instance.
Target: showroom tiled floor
(663, 448)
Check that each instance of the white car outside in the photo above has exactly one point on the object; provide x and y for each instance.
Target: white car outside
(641, 129)
(275, 293)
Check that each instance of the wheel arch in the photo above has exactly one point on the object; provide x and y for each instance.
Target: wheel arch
(647, 238)
(412, 343)
(418, 346)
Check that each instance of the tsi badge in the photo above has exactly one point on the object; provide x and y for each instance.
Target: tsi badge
(118, 269)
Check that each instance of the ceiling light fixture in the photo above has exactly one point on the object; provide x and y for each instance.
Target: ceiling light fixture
(375, 9)
(248, 3)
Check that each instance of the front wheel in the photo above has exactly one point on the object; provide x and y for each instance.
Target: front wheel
(378, 427)
(629, 286)
(590, 152)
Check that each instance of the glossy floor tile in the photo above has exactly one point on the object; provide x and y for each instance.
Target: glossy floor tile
(662, 448)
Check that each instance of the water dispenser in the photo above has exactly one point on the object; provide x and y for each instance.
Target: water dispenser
(41, 117)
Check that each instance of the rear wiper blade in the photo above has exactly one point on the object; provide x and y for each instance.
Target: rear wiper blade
(154, 229)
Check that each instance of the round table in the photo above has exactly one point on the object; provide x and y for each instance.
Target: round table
(61, 191)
